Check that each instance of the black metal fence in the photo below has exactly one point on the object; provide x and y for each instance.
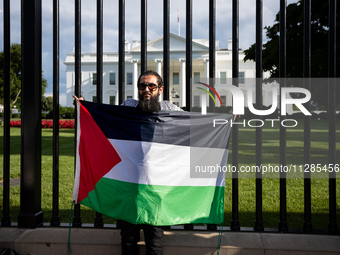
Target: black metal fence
(31, 14)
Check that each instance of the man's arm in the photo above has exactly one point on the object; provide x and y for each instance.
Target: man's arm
(166, 105)
(130, 102)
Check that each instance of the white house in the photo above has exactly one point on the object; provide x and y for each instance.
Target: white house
(200, 70)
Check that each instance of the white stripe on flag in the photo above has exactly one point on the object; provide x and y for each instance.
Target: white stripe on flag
(164, 164)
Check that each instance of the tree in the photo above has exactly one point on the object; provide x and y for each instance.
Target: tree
(47, 104)
(15, 80)
(319, 46)
(64, 113)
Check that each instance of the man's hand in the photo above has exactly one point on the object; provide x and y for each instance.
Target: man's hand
(76, 98)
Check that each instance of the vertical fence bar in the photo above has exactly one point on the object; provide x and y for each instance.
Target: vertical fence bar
(259, 18)
(144, 35)
(188, 70)
(235, 223)
(212, 40)
(31, 214)
(212, 47)
(332, 225)
(283, 226)
(166, 48)
(55, 222)
(100, 51)
(6, 220)
(98, 223)
(166, 52)
(121, 48)
(77, 87)
(188, 56)
(307, 224)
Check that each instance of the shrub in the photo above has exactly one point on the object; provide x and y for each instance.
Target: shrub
(16, 115)
(298, 115)
(43, 115)
(16, 123)
(323, 116)
(315, 116)
(64, 113)
(196, 109)
(47, 123)
(223, 109)
(66, 123)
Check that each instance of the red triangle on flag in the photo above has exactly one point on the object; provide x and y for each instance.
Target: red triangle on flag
(96, 154)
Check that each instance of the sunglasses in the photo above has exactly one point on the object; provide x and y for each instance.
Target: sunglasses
(151, 86)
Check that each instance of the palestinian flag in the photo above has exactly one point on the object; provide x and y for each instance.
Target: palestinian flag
(158, 168)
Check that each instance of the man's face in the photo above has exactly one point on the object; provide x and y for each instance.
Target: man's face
(146, 94)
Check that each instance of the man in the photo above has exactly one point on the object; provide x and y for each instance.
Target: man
(150, 86)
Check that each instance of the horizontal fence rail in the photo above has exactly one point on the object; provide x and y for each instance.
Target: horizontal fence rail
(31, 214)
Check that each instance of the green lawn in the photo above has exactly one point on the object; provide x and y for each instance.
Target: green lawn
(270, 155)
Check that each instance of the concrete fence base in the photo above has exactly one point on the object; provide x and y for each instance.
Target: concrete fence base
(85, 241)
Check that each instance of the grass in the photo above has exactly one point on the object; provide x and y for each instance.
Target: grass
(270, 155)
(295, 186)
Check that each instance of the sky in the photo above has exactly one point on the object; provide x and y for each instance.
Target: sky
(132, 26)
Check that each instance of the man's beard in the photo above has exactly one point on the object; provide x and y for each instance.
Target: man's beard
(148, 105)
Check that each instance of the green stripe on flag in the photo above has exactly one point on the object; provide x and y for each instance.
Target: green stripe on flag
(157, 205)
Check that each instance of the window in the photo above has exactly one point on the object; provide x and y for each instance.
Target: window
(112, 78)
(196, 77)
(176, 103)
(94, 78)
(94, 99)
(112, 99)
(129, 78)
(241, 77)
(175, 78)
(129, 97)
(196, 101)
(224, 100)
(223, 77)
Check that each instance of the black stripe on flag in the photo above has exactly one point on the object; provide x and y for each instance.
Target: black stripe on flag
(168, 127)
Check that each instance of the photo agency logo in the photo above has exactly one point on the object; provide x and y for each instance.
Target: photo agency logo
(280, 100)
(204, 98)
(305, 105)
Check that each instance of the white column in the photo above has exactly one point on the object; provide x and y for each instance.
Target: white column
(207, 74)
(159, 71)
(204, 104)
(135, 78)
(183, 87)
(159, 66)
(206, 68)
